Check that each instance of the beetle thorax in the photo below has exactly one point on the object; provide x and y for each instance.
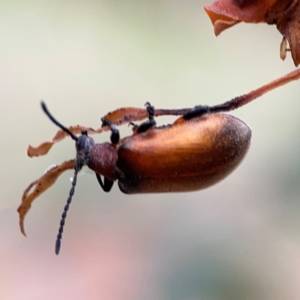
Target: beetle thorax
(103, 160)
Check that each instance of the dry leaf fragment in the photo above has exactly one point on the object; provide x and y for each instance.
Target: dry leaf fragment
(226, 13)
(284, 13)
(44, 148)
(39, 186)
(125, 115)
(283, 48)
(119, 116)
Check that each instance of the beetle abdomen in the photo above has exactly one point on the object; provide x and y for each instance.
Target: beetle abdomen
(185, 157)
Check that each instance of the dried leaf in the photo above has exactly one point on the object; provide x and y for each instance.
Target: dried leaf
(126, 115)
(283, 48)
(286, 15)
(41, 185)
(118, 117)
(220, 22)
(44, 148)
(226, 13)
(132, 114)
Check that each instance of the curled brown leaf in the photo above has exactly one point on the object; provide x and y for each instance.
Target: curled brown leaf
(285, 14)
(44, 148)
(39, 186)
(119, 116)
(226, 13)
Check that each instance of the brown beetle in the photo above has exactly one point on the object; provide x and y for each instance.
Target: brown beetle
(191, 154)
(199, 149)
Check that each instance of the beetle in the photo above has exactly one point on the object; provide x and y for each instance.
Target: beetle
(199, 149)
(191, 154)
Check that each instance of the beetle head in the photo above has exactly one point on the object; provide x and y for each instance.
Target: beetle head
(84, 144)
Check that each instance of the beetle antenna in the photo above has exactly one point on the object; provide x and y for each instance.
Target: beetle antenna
(46, 111)
(78, 166)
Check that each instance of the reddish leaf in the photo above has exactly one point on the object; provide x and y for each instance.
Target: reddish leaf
(284, 13)
(40, 186)
(119, 116)
(44, 148)
(226, 13)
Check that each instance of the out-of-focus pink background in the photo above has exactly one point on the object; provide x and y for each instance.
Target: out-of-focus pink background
(237, 240)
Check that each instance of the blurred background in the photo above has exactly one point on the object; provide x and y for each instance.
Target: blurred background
(238, 240)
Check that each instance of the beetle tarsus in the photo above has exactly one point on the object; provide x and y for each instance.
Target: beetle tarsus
(150, 109)
(115, 134)
(134, 126)
(197, 112)
(147, 124)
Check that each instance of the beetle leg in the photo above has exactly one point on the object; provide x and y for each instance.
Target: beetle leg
(107, 185)
(200, 110)
(196, 112)
(115, 134)
(147, 124)
(134, 126)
